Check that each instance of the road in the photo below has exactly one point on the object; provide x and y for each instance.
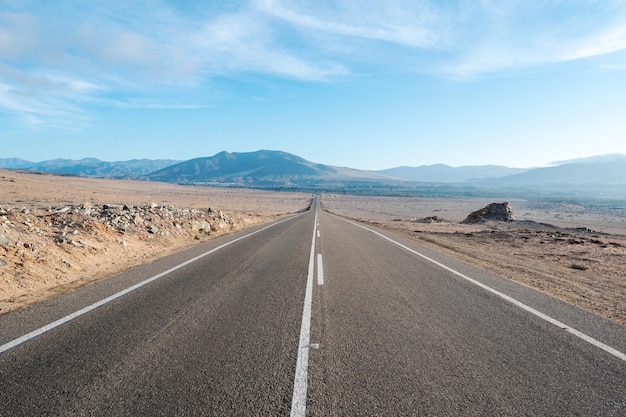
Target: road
(313, 315)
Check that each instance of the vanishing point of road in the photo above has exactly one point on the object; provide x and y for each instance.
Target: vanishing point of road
(311, 315)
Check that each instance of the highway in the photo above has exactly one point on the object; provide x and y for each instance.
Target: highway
(312, 315)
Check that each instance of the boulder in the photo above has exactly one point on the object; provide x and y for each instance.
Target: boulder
(200, 226)
(502, 212)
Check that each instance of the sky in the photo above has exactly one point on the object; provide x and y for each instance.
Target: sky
(359, 83)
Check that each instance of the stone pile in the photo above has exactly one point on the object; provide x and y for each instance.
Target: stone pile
(430, 220)
(48, 250)
(63, 223)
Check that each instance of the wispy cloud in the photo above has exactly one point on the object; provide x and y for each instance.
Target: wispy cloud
(465, 38)
(409, 23)
(247, 42)
(133, 55)
(59, 58)
(44, 100)
(519, 34)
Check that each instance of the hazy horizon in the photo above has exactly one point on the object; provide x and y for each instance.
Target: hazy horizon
(362, 85)
(552, 163)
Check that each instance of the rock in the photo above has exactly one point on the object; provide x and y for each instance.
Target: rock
(573, 241)
(431, 219)
(153, 229)
(5, 241)
(200, 226)
(493, 212)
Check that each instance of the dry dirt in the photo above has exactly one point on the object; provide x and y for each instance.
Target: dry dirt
(58, 232)
(573, 252)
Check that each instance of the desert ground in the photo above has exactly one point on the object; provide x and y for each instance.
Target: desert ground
(59, 232)
(572, 252)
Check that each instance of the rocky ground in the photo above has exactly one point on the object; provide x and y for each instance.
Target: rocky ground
(579, 257)
(56, 233)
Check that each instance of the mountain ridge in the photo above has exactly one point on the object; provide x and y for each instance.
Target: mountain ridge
(89, 167)
(262, 167)
(278, 169)
(446, 173)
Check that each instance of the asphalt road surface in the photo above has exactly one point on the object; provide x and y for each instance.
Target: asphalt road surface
(313, 315)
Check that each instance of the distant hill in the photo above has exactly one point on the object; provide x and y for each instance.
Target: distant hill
(440, 173)
(601, 169)
(260, 168)
(596, 159)
(611, 172)
(14, 163)
(91, 167)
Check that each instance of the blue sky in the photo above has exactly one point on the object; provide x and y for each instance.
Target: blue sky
(360, 83)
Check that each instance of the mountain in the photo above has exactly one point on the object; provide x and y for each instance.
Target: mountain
(91, 167)
(440, 173)
(260, 168)
(596, 159)
(599, 169)
(603, 175)
(604, 172)
(14, 163)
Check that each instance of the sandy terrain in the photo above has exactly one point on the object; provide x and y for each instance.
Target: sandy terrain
(580, 259)
(59, 232)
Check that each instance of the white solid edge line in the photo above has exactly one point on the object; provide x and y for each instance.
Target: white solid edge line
(298, 401)
(85, 310)
(320, 270)
(577, 333)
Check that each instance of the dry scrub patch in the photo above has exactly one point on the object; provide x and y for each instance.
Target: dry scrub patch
(58, 233)
(571, 262)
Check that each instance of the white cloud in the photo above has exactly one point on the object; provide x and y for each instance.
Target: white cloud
(603, 42)
(44, 100)
(410, 23)
(60, 57)
(462, 38)
(527, 34)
